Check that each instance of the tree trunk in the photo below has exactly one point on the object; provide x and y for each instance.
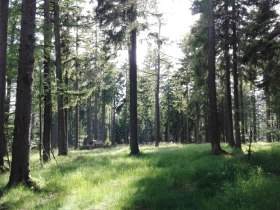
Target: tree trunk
(66, 110)
(213, 115)
(62, 141)
(134, 149)
(95, 126)
(228, 99)
(77, 118)
(197, 116)
(89, 120)
(187, 117)
(235, 80)
(40, 117)
(54, 136)
(77, 108)
(157, 104)
(113, 122)
(9, 78)
(168, 122)
(242, 116)
(268, 114)
(103, 117)
(21, 141)
(4, 5)
(47, 83)
(8, 102)
(254, 115)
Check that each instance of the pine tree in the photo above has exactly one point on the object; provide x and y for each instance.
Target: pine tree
(3, 62)
(47, 83)
(21, 141)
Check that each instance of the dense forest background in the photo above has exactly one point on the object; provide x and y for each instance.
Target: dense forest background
(225, 88)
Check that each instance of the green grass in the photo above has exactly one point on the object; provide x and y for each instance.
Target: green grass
(169, 177)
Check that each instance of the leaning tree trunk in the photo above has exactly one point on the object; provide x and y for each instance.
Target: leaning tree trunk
(21, 141)
(4, 5)
(213, 115)
(47, 84)
(62, 141)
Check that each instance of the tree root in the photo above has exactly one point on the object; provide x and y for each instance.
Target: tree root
(221, 152)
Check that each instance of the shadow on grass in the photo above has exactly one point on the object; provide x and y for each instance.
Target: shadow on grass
(267, 160)
(198, 180)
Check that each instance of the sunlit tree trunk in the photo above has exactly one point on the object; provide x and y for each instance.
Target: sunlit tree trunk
(21, 141)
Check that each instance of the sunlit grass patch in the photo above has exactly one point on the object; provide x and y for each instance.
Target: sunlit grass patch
(169, 177)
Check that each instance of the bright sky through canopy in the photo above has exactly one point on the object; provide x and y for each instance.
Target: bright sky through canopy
(177, 20)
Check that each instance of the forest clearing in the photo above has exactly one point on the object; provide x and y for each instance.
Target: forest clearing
(139, 104)
(173, 176)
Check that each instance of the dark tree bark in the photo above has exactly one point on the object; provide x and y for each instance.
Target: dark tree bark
(77, 108)
(253, 99)
(157, 104)
(228, 99)
(4, 5)
(77, 118)
(47, 83)
(21, 141)
(268, 114)
(197, 119)
(66, 110)
(235, 80)
(213, 113)
(134, 149)
(62, 140)
(54, 136)
(89, 120)
(242, 116)
(103, 117)
(95, 116)
(113, 123)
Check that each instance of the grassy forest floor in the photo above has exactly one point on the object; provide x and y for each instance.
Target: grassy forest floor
(169, 177)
